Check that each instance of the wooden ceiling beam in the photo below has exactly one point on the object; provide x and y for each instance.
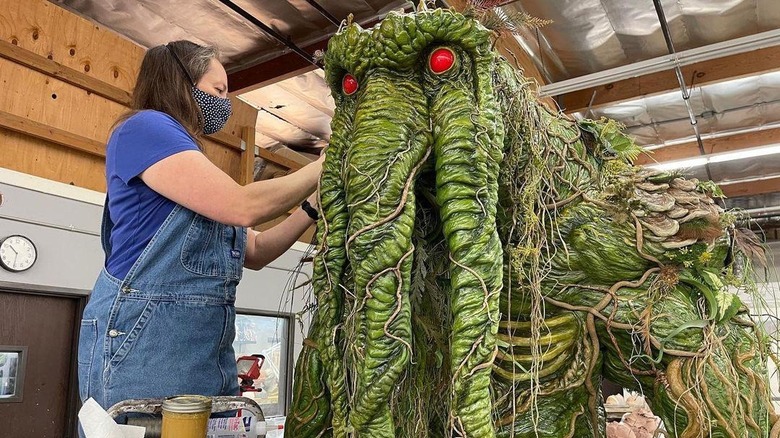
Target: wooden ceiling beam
(717, 145)
(277, 69)
(700, 73)
(751, 188)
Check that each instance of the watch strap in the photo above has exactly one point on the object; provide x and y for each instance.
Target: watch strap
(311, 211)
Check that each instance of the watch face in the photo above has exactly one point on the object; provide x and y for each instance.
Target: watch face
(17, 253)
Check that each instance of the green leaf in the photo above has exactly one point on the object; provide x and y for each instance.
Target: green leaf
(729, 305)
(722, 304)
(698, 323)
(609, 134)
(709, 187)
(712, 279)
(705, 291)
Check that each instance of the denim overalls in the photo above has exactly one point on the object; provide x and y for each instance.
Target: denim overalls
(168, 327)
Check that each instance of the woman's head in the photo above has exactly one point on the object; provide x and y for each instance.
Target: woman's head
(165, 83)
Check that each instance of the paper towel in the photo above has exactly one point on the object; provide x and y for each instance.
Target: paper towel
(96, 423)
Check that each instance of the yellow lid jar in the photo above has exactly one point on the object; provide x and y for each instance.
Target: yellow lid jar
(185, 416)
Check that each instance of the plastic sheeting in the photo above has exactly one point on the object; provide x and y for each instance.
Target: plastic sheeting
(154, 22)
(747, 103)
(295, 112)
(588, 36)
(733, 106)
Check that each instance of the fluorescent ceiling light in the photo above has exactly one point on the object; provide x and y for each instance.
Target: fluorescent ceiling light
(745, 153)
(717, 158)
(708, 136)
(679, 164)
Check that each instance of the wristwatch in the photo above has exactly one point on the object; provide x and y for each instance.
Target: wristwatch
(311, 211)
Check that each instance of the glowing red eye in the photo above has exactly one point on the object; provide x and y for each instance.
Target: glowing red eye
(441, 60)
(349, 84)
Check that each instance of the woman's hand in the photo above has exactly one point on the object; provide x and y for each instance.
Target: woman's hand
(314, 198)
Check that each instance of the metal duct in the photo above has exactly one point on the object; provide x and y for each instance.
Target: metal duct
(591, 36)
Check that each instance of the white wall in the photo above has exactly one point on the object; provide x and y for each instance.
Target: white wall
(771, 293)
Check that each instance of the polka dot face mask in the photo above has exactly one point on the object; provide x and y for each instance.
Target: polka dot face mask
(216, 110)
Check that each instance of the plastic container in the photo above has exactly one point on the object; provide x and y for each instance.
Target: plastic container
(185, 416)
(233, 427)
(274, 427)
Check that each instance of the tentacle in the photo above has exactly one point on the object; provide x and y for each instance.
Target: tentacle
(391, 121)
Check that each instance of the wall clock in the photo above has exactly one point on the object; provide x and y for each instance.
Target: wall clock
(17, 253)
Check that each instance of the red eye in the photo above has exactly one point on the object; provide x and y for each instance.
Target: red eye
(349, 84)
(441, 60)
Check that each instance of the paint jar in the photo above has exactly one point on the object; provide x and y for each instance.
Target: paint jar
(185, 416)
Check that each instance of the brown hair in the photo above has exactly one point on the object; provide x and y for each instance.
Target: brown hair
(164, 82)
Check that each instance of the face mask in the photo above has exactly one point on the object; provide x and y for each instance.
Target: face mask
(215, 110)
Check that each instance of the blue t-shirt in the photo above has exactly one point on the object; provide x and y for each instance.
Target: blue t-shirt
(136, 210)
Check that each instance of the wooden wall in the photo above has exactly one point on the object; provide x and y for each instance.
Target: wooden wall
(64, 82)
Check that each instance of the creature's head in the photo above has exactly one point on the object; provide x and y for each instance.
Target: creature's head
(413, 94)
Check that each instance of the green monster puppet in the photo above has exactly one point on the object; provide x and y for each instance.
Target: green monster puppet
(483, 262)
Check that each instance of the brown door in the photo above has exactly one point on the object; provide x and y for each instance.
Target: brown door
(46, 326)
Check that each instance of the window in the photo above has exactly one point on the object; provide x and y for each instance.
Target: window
(270, 336)
(11, 373)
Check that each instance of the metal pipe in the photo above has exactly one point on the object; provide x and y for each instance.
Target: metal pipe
(763, 211)
(270, 31)
(324, 12)
(659, 9)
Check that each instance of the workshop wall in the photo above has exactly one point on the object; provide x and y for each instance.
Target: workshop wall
(65, 81)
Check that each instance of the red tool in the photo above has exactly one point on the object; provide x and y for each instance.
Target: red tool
(249, 371)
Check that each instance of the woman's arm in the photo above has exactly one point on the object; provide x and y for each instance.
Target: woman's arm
(263, 248)
(190, 179)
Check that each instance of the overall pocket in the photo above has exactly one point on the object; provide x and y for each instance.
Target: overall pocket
(127, 324)
(86, 355)
(212, 249)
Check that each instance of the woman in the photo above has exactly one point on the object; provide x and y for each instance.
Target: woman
(160, 320)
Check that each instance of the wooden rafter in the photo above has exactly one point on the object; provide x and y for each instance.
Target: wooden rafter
(751, 188)
(701, 73)
(277, 69)
(278, 159)
(54, 69)
(58, 136)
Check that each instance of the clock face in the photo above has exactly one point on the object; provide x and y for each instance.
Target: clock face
(17, 253)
